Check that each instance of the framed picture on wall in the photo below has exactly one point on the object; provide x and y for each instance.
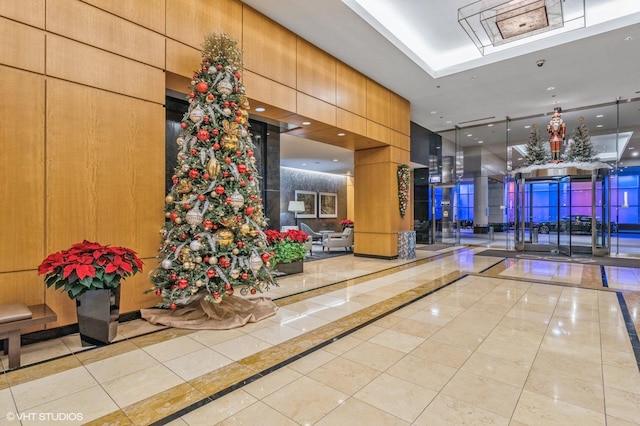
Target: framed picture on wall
(309, 200)
(328, 204)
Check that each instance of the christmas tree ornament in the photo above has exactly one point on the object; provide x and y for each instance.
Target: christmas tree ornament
(213, 260)
(168, 199)
(196, 114)
(194, 218)
(195, 245)
(202, 87)
(167, 264)
(213, 167)
(224, 237)
(255, 262)
(237, 201)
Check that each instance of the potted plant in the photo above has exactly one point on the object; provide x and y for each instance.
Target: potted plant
(91, 273)
(346, 223)
(289, 250)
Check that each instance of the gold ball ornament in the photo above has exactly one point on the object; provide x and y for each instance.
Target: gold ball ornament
(217, 300)
(229, 142)
(185, 186)
(199, 283)
(213, 260)
(235, 251)
(178, 221)
(227, 221)
(235, 274)
(224, 237)
(245, 229)
(198, 259)
(184, 255)
(169, 199)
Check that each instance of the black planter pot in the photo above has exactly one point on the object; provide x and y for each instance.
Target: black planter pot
(290, 268)
(98, 312)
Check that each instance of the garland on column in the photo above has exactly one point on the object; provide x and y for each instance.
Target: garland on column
(403, 188)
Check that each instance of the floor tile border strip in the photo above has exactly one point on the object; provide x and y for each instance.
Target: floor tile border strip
(631, 329)
(603, 273)
(297, 357)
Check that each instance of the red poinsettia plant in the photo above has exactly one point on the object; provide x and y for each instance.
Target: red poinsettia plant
(346, 223)
(287, 246)
(89, 266)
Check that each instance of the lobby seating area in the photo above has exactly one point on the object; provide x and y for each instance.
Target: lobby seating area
(342, 239)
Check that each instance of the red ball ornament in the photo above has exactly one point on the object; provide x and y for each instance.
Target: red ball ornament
(236, 75)
(183, 236)
(242, 183)
(216, 146)
(227, 286)
(210, 97)
(206, 176)
(253, 291)
(211, 273)
(238, 153)
(193, 151)
(183, 125)
(203, 68)
(215, 131)
(158, 292)
(219, 189)
(174, 248)
(193, 174)
(238, 112)
(250, 153)
(202, 87)
(252, 197)
(207, 225)
(186, 206)
(228, 200)
(249, 210)
(225, 173)
(239, 219)
(250, 177)
(173, 216)
(237, 120)
(242, 168)
(216, 294)
(201, 197)
(226, 104)
(183, 283)
(265, 257)
(173, 306)
(192, 95)
(174, 277)
(227, 160)
(174, 180)
(240, 244)
(195, 75)
(230, 292)
(203, 134)
(233, 104)
(244, 276)
(205, 118)
(218, 67)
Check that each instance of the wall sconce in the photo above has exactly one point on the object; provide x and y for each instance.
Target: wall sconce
(625, 200)
(296, 207)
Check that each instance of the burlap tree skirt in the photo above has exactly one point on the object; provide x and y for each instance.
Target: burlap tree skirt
(231, 312)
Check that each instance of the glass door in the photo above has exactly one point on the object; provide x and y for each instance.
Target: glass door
(564, 216)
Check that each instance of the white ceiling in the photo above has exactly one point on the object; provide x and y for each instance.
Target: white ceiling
(418, 49)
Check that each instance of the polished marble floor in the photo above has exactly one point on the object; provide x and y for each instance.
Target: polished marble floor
(447, 338)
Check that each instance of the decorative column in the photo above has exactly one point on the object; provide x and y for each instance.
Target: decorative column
(480, 204)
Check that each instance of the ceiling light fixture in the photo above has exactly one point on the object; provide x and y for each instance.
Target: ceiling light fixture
(434, 112)
(260, 109)
(551, 88)
(635, 154)
(469, 135)
(341, 134)
(629, 38)
(489, 125)
(492, 24)
(599, 116)
(480, 141)
(306, 123)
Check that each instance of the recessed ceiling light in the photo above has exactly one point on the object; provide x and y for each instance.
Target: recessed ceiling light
(475, 77)
(631, 147)
(480, 141)
(335, 160)
(527, 127)
(448, 121)
(434, 112)
(556, 102)
(260, 109)
(635, 154)
(341, 134)
(629, 38)
(306, 123)
(304, 164)
(551, 88)
(599, 125)
(599, 115)
(489, 125)
(469, 135)
(519, 158)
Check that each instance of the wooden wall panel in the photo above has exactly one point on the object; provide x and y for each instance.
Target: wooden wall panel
(374, 244)
(378, 132)
(148, 13)
(400, 114)
(31, 12)
(189, 21)
(315, 109)
(399, 140)
(316, 72)
(177, 83)
(269, 49)
(268, 91)
(87, 24)
(22, 46)
(132, 291)
(73, 61)
(22, 287)
(351, 90)
(378, 103)
(351, 122)
(182, 59)
(105, 169)
(21, 169)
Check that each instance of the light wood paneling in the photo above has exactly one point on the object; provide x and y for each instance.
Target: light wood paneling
(269, 49)
(95, 27)
(351, 122)
(265, 90)
(177, 83)
(399, 140)
(62, 305)
(73, 61)
(378, 103)
(374, 244)
(148, 13)
(374, 197)
(316, 109)
(400, 119)
(351, 92)
(23, 287)
(21, 169)
(189, 21)
(105, 169)
(31, 12)
(182, 59)
(316, 72)
(378, 132)
(132, 290)
(22, 46)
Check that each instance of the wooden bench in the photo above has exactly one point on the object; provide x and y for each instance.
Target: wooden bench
(10, 331)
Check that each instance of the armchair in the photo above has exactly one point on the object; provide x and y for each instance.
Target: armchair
(310, 232)
(343, 239)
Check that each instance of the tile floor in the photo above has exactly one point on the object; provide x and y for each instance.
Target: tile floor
(445, 339)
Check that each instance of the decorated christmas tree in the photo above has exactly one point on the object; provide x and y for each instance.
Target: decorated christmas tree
(536, 153)
(581, 149)
(212, 241)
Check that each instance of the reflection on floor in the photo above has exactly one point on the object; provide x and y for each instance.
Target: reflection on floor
(446, 338)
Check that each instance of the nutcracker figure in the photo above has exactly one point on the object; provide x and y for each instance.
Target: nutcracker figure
(557, 129)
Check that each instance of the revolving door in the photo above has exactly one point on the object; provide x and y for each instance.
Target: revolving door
(566, 213)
